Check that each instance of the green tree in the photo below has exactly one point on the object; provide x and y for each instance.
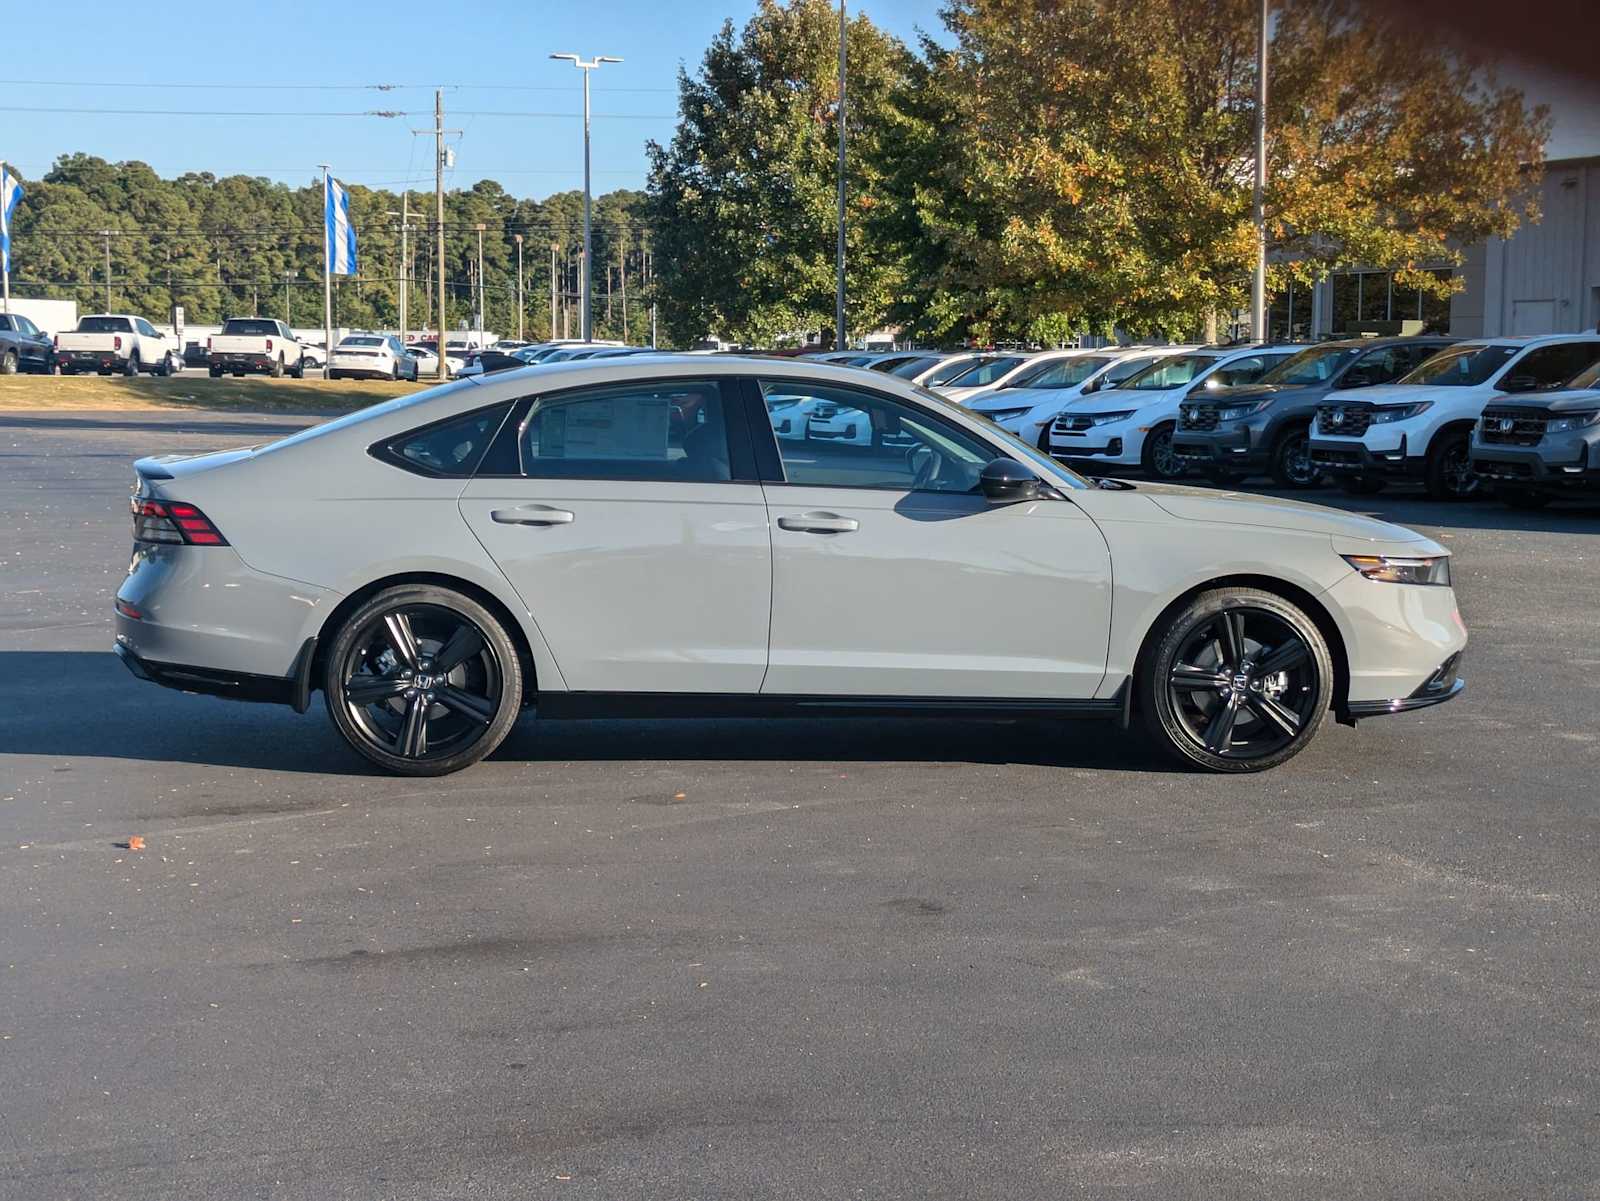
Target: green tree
(1093, 158)
(742, 202)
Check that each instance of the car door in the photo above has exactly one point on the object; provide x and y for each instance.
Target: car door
(893, 577)
(635, 531)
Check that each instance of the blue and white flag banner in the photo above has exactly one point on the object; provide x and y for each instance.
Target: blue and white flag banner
(341, 232)
(10, 193)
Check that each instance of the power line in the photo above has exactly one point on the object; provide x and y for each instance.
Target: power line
(386, 114)
(320, 87)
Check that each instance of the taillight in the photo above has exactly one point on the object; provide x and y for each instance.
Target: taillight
(208, 343)
(269, 345)
(116, 343)
(173, 521)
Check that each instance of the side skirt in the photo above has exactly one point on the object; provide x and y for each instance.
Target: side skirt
(582, 706)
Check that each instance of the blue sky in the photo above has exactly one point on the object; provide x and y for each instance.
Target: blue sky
(496, 62)
(341, 46)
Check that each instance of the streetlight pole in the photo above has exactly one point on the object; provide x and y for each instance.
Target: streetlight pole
(108, 234)
(554, 248)
(288, 313)
(519, 287)
(482, 292)
(586, 282)
(1258, 282)
(838, 301)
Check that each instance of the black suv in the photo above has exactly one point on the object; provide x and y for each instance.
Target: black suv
(1264, 428)
(1535, 450)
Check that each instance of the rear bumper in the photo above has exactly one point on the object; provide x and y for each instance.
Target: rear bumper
(293, 690)
(93, 360)
(242, 362)
(1547, 467)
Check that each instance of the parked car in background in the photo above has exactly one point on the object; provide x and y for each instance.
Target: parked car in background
(1420, 428)
(984, 372)
(920, 367)
(1131, 425)
(679, 559)
(1029, 404)
(1265, 428)
(106, 343)
(371, 356)
(195, 354)
(24, 346)
(1534, 449)
(313, 354)
(255, 346)
(427, 355)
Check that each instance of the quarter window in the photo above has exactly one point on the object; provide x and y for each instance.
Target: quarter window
(831, 437)
(453, 448)
(667, 431)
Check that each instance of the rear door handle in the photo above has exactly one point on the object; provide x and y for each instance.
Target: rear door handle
(532, 515)
(819, 523)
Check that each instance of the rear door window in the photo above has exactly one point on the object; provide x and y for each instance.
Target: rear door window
(667, 431)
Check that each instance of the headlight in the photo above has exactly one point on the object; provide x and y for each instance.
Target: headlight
(1109, 418)
(1003, 414)
(1239, 412)
(1388, 413)
(1393, 569)
(1572, 421)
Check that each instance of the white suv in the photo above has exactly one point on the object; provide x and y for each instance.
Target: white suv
(1033, 400)
(1131, 425)
(1420, 427)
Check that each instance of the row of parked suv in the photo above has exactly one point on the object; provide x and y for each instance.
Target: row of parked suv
(1519, 414)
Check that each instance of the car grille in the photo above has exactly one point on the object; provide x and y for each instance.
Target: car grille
(1343, 421)
(1198, 417)
(1072, 423)
(1497, 470)
(1512, 427)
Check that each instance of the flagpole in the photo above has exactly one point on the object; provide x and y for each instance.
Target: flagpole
(5, 267)
(327, 279)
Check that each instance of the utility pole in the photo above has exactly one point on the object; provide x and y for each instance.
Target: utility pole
(838, 302)
(554, 248)
(483, 295)
(327, 282)
(1258, 283)
(403, 269)
(108, 234)
(441, 160)
(585, 285)
(519, 287)
(288, 311)
(622, 276)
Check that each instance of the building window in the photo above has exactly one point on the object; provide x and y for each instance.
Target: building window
(1362, 297)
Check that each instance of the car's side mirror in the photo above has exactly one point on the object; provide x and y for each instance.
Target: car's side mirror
(1007, 482)
(1520, 383)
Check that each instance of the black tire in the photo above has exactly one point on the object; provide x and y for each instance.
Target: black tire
(214, 372)
(1360, 485)
(394, 372)
(1523, 498)
(1448, 473)
(462, 714)
(276, 370)
(330, 375)
(298, 371)
(1206, 686)
(8, 363)
(1156, 460)
(1291, 465)
(131, 368)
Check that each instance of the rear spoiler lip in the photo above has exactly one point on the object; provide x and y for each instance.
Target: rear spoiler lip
(151, 469)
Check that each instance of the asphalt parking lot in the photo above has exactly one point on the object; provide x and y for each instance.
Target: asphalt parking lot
(786, 959)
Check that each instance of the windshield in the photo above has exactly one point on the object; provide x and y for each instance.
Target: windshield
(1462, 367)
(959, 365)
(1584, 380)
(915, 367)
(248, 327)
(1315, 366)
(104, 325)
(1063, 373)
(1171, 372)
(986, 372)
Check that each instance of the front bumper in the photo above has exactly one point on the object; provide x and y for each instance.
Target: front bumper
(1234, 447)
(1564, 463)
(1443, 685)
(1347, 457)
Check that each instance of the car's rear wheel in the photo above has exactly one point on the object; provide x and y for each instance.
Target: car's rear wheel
(8, 363)
(422, 681)
(1237, 680)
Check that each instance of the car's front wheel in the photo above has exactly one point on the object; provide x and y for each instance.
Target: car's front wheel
(423, 681)
(1158, 459)
(1236, 680)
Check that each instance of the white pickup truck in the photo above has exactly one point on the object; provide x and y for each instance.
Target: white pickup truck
(255, 344)
(109, 342)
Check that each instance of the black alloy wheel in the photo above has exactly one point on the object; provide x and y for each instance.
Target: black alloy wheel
(1291, 460)
(1238, 682)
(1449, 467)
(1159, 459)
(423, 681)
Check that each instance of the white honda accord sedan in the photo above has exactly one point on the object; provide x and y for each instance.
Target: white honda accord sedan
(631, 538)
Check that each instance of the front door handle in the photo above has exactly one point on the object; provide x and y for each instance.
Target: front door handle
(532, 515)
(819, 523)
